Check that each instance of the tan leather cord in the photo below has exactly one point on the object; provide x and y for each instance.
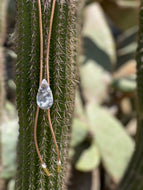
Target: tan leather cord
(41, 41)
(35, 135)
(49, 40)
(54, 138)
(41, 74)
(41, 69)
(48, 78)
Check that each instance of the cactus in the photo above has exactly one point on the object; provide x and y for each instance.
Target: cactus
(63, 74)
(134, 175)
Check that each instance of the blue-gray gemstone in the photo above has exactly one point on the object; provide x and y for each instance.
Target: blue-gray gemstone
(44, 96)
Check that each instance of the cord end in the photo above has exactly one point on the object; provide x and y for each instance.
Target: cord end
(45, 169)
(59, 166)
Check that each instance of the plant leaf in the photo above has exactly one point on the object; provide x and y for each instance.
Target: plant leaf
(126, 84)
(115, 146)
(79, 131)
(79, 123)
(95, 32)
(89, 159)
(92, 76)
(11, 185)
(9, 142)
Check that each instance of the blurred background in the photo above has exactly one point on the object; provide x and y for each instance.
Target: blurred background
(104, 123)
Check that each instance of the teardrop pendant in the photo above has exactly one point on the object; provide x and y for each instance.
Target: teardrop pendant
(44, 96)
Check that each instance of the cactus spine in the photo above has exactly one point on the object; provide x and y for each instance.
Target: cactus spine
(62, 82)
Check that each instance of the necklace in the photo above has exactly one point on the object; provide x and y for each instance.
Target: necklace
(44, 96)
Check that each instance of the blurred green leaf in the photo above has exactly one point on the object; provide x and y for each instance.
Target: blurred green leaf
(9, 141)
(94, 82)
(128, 3)
(125, 84)
(79, 123)
(127, 37)
(98, 43)
(11, 185)
(131, 48)
(78, 111)
(89, 159)
(126, 45)
(79, 131)
(10, 111)
(115, 146)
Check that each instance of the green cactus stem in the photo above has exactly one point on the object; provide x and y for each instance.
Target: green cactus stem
(63, 66)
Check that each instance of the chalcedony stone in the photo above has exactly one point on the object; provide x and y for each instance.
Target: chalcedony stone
(44, 96)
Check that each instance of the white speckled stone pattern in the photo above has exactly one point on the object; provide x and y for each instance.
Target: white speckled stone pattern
(44, 96)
